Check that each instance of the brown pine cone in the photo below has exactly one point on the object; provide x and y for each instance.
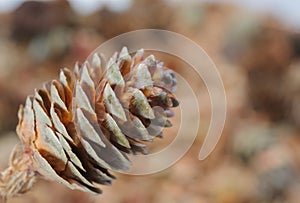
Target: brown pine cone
(77, 128)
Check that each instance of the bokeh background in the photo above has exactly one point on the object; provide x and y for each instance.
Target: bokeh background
(254, 44)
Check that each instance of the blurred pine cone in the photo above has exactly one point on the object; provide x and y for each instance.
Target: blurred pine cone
(77, 128)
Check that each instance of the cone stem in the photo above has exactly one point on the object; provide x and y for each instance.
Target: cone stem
(19, 176)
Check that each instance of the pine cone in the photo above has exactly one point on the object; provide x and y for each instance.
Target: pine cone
(77, 128)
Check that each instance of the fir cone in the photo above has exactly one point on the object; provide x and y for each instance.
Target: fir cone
(79, 127)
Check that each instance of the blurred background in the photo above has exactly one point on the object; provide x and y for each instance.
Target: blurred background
(254, 44)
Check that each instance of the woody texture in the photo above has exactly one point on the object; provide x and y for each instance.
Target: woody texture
(77, 128)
